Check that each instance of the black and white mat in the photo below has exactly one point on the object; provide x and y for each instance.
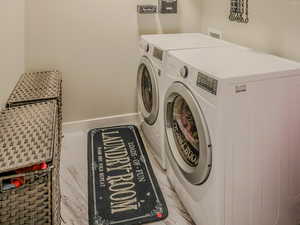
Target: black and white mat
(123, 189)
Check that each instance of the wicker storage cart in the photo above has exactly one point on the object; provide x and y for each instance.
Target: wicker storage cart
(30, 134)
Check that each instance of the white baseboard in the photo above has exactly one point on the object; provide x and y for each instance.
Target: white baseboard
(86, 125)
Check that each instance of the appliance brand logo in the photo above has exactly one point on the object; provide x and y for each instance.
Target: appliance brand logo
(240, 88)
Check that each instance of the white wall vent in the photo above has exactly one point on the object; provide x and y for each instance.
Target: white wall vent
(215, 33)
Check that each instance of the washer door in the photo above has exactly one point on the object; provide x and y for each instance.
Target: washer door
(187, 134)
(148, 91)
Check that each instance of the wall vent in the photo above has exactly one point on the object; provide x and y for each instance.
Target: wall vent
(215, 33)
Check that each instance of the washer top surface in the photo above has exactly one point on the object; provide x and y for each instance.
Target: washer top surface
(183, 41)
(235, 63)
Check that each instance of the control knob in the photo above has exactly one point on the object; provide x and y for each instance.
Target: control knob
(184, 72)
(146, 47)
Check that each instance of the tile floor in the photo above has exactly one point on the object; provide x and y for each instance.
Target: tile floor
(74, 184)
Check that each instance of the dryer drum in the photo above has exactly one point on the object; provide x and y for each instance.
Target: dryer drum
(146, 88)
(148, 91)
(187, 134)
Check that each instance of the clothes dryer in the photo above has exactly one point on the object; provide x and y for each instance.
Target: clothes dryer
(233, 135)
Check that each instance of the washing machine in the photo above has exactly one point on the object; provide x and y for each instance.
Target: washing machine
(232, 121)
(153, 50)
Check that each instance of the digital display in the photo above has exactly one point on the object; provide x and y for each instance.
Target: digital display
(157, 53)
(207, 83)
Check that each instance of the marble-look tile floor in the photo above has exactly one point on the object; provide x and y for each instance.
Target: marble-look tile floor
(74, 184)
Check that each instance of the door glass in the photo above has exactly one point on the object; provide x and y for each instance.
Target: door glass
(147, 92)
(185, 132)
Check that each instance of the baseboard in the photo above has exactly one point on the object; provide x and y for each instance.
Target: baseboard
(85, 125)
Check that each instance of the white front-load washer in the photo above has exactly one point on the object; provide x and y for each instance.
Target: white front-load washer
(232, 120)
(154, 50)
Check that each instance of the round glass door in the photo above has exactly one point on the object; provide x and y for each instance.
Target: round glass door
(148, 91)
(187, 134)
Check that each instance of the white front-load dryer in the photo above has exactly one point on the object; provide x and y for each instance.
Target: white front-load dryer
(232, 136)
(150, 77)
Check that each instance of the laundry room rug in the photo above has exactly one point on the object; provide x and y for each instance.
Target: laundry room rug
(123, 189)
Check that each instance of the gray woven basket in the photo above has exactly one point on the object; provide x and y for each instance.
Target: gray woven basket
(30, 134)
(30, 203)
(36, 86)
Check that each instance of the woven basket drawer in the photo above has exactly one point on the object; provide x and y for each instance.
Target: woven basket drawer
(30, 135)
(27, 135)
(37, 86)
(30, 204)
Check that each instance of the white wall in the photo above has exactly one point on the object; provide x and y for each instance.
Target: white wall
(95, 44)
(274, 25)
(11, 45)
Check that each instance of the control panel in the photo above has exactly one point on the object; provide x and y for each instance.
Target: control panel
(158, 53)
(207, 83)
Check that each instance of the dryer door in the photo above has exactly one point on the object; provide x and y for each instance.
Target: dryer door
(187, 134)
(148, 91)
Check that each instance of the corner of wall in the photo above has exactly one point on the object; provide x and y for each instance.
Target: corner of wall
(12, 63)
